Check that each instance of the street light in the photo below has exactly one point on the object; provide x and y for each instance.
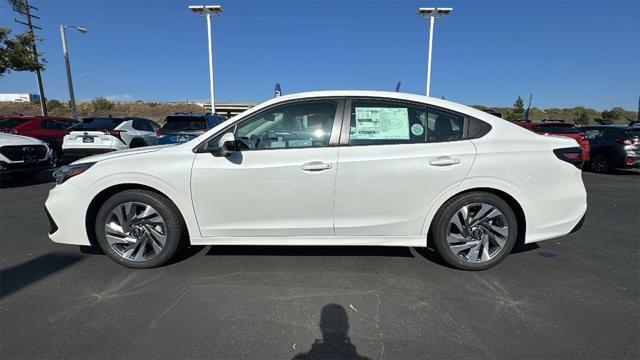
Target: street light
(209, 10)
(72, 99)
(432, 14)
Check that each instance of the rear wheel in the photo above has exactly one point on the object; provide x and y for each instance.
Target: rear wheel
(474, 231)
(139, 228)
(598, 163)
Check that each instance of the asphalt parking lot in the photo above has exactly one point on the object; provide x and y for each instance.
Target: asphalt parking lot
(572, 297)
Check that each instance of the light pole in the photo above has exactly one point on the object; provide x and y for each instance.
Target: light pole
(209, 10)
(432, 14)
(72, 98)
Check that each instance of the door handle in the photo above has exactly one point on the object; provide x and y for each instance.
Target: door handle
(316, 166)
(444, 161)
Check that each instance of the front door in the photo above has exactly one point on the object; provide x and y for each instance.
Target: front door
(281, 181)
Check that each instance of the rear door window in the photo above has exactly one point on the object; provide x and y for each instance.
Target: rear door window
(10, 123)
(381, 122)
(557, 128)
(444, 126)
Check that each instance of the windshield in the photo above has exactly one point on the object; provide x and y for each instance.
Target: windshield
(177, 123)
(10, 123)
(557, 128)
(97, 124)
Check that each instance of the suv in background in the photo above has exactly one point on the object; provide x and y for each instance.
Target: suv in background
(103, 134)
(612, 147)
(559, 128)
(182, 127)
(50, 129)
(24, 156)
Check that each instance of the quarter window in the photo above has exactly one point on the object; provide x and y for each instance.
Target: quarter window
(297, 125)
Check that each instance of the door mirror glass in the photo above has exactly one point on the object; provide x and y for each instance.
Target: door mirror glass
(226, 145)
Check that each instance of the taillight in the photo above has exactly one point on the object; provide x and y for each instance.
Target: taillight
(583, 136)
(624, 141)
(116, 133)
(159, 132)
(572, 155)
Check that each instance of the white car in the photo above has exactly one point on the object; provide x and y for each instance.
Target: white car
(105, 134)
(24, 156)
(329, 168)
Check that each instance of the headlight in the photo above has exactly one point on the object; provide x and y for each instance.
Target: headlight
(68, 171)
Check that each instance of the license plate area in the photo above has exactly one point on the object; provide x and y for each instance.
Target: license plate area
(87, 139)
(182, 138)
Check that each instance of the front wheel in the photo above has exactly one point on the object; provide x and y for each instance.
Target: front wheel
(139, 228)
(599, 164)
(474, 231)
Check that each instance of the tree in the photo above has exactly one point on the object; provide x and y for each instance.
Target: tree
(53, 104)
(582, 117)
(101, 104)
(16, 54)
(518, 105)
(614, 115)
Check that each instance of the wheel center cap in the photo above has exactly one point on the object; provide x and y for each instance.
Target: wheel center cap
(476, 233)
(136, 231)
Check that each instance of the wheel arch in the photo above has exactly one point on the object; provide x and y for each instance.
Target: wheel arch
(102, 196)
(508, 198)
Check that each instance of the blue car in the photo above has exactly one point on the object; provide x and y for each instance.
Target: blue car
(182, 127)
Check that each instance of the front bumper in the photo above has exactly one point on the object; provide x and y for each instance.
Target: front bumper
(66, 209)
(20, 167)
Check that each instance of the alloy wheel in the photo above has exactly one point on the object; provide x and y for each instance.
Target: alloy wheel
(599, 163)
(477, 232)
(135, 231)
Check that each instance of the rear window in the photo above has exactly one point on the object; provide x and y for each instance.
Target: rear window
(184, 123)
(10, 123)
(97, 124)
(557, 128)
(634, 132)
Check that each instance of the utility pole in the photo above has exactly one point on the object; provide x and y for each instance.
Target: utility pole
(26, 11)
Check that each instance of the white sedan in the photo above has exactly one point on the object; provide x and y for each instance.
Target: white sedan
(329, 168)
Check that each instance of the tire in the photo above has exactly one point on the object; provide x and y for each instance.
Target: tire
(599, 164)
(465, 248)
(132, 241)
(136, 143)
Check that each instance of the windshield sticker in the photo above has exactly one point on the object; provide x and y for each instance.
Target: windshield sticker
(373, 123)
(417, 129)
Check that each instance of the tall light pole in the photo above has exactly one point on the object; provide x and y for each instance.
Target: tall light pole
(72, 98)
(432, 14)
(209, 10)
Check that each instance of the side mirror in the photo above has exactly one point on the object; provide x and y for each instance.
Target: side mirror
(226, 145)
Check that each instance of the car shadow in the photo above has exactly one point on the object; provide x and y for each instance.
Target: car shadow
(243, 250)
(19, 276)
(15, 181)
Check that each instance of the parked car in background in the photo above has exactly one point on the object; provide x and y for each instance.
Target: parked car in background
(329, 168)
(613, 147)
(182, 127)
(559, 128)
(104, 134)
(50, 129)
(24, 156)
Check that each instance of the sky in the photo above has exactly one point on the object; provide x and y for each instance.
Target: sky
(565, 52)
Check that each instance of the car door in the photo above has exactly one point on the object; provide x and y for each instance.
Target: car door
(282, 179)
(395, 160)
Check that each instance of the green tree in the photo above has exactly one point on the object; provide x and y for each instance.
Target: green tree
(53, 104)
(101, 104)
(518, 106)
(614, 115)
(582, 117)
(16, 53)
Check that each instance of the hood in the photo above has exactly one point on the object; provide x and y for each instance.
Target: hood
(120, 153)
(11, 139)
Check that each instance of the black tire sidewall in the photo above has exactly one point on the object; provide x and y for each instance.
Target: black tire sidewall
(606, 163)
(441, 223)
(163, 206)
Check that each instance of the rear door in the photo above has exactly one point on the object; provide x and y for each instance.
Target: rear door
(395, 159)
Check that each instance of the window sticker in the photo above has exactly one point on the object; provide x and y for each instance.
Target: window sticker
(417, 129)
(377, 123)
(300, 143)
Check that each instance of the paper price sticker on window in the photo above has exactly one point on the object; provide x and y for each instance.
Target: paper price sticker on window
(378, 123)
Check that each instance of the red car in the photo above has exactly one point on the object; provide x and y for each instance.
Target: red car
(558, 128)
(50, 129)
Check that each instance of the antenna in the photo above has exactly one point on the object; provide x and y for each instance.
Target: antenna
(398, 86)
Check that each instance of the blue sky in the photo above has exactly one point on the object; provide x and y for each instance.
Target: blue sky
(565, 52)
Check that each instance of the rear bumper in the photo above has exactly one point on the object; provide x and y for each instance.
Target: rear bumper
(83, 152)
